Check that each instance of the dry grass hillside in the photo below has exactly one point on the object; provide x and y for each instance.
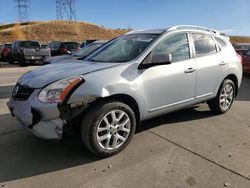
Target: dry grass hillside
(239, 39)
(48, 31)
(56, 30)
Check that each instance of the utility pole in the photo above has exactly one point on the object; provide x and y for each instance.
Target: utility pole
(22, 8)
(65, 10)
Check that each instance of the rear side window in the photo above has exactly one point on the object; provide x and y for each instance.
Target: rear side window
(221, 42)
(177, 45)
(204, 44)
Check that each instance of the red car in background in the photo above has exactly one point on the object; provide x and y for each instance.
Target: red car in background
(5, 51)
(246, 61)
(241, 48)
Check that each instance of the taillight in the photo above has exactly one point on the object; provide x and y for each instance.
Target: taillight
(240, 58)
(64, 50)
(49, 51)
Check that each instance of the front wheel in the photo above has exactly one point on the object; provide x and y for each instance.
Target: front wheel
(224, 99)
(22, 61)
(108, 127)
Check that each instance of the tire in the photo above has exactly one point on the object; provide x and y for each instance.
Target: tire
(22, 61)
(224, 99)
(10, 59)
(94, 120)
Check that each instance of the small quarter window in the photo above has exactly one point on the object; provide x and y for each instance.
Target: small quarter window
(204, 44)
(221, 42)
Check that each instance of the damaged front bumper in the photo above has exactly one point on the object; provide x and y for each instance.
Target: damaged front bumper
(41, 119)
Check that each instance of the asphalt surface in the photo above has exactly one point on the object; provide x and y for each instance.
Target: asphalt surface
(188, 148)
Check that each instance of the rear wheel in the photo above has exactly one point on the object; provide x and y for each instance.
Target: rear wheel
(224, 99)
(108, 128)
(10, 59)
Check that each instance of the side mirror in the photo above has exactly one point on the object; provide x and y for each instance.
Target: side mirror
(157, 59)
(161, 59)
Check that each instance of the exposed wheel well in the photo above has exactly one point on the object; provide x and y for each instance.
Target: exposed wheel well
(130, 101)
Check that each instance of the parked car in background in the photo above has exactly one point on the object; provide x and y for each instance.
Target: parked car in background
(137, 76)
(62, 48)
(5, 51)
(1, 47)
(240, 48)
(84, 52)
(44, 46)
(27, 52)
(87, 42)
(246, 61)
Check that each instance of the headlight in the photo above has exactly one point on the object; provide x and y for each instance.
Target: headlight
(57, 91)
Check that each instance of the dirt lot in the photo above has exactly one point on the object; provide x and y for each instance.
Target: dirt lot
(188, 148)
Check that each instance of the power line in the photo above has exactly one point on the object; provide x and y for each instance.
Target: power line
(65, 9)
(22, 8)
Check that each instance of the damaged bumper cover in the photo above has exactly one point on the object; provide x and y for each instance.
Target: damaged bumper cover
(42, 120)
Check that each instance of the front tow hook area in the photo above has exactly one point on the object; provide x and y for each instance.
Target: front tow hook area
(68, 113)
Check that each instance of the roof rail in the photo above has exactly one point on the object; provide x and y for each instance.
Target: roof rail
(193, 27)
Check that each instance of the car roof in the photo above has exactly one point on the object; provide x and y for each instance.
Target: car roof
(193, 28)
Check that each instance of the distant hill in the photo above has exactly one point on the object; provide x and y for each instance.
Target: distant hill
(47, 31)
(239, 39)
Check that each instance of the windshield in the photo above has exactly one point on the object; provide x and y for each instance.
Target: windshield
(29, 44)
(87, 50)
(122, 49)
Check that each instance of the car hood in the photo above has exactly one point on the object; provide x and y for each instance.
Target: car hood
(45, 75)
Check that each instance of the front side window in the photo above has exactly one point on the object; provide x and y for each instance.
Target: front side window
(177, 45)
(204, 44)
(123, 49)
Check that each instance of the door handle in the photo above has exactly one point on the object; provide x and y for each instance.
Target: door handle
(222, 63)
(189, 70)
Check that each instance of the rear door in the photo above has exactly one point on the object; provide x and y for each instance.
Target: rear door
(211, 65)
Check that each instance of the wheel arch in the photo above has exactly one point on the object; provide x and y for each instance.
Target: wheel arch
(234, 78)
(128, 100)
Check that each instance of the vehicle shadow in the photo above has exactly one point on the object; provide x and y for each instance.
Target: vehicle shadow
(24, 155)
(188, 114)
(244, 91)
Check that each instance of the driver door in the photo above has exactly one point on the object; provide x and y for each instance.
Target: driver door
(171, 84)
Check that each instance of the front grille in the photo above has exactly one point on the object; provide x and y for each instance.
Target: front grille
(21, 92)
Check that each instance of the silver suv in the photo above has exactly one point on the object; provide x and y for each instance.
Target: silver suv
(137, 76)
